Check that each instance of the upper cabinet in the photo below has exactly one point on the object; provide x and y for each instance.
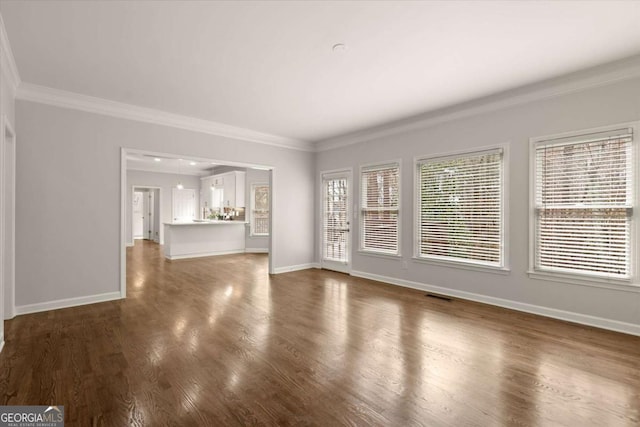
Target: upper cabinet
(233, 193)
(223, 190)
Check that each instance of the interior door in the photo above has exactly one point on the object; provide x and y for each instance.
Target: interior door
(336, 221)
(138, 213)
(148, 215)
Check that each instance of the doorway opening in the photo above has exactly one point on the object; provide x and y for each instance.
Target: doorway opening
(163, 193)
(146, 215)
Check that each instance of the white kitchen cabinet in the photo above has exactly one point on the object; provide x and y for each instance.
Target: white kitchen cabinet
(223, 191)
(233, 189)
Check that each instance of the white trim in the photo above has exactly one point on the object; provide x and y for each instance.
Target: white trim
(7, 127)
(67, 302)
(290, 268)
(272, 221)
(204, 254)
(123, 222)
(569, 316)
(91, 104)
(379, 254)
(256, 250)
(463, 265)
(130, 245)
(1, 342)
(563, 85)
(585, 280)
(7, 60)
(630, 284)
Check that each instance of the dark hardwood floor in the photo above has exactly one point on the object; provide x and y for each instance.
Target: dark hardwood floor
(216, 341)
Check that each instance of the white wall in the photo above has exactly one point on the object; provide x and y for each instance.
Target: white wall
(68, 197)
(255, 243)
(599, 106)
(166, 181)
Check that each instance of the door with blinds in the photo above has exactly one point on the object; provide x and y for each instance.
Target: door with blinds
(336, 221)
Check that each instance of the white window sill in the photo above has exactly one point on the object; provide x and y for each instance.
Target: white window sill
(379, 254)
(464, 265)
(576, 279)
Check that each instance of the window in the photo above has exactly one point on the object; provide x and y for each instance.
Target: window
(259, 210)
(379, 187)
(460, 208)
(583, 203)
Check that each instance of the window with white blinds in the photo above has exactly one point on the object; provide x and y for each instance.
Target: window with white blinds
(460, 208)
(379, 206)
(584, 204)
(259, 210)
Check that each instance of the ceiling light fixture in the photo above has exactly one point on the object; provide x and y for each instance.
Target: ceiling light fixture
(157, 160)
(339, 47)
(192, 163)
(179, 186)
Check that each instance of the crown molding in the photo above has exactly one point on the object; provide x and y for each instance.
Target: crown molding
(91, 104)
(575, 82)
(8, 62)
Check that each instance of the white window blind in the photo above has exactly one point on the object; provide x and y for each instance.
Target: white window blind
(461, 208)
(584, 202)
(379, 186)
(260, 210)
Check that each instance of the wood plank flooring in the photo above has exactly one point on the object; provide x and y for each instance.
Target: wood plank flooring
(217, 342)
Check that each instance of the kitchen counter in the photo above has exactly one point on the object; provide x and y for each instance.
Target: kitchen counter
(203, 238)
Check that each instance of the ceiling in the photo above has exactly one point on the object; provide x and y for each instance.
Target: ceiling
(169, 164)
(269, 66)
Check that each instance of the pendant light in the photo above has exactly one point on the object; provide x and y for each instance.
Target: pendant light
(179, 186)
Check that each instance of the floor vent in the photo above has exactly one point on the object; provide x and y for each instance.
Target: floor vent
(438, 297)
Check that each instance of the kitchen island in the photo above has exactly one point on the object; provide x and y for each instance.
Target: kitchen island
(203, 238)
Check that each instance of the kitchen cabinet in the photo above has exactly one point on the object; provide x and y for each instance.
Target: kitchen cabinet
(233, 189)
(225, 190)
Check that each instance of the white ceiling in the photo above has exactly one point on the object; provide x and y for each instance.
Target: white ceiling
(169, 164)
(269, 66)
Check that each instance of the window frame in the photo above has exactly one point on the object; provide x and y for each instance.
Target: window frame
(252, 202)
(504, 267)
(577, 278)
(361, 248)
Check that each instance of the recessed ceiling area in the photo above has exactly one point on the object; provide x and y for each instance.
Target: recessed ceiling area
(271, 66)
(166, 164)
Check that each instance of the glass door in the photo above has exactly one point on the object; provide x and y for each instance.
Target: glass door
(336, 221)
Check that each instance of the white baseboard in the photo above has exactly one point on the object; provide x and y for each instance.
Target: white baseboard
(584, 319)
(256, 250)
(66, 303)
(130, 245)
(290, 268)
(204, 254)
(316, 265)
